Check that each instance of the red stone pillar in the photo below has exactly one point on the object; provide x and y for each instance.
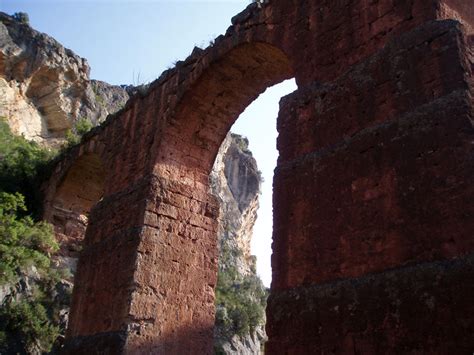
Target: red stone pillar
(147, 272)
(105, 277)
(374, 219)
(172, 305)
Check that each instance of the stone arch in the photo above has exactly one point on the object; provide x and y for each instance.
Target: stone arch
(82, 186)
(182, 211)
(207, 111)
(69, 202)
(360, 192)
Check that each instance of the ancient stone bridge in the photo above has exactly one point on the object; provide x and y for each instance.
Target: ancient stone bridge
(373, 194)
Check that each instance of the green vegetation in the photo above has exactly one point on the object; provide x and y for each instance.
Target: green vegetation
(21, 163)
(83, 126)
(27, 325)
(25, 248)
(100, 100)
(71, 138)
(98, 97)
(24, 243)
(74, 136)
(22, 17)
(240, 300)
(28, 315)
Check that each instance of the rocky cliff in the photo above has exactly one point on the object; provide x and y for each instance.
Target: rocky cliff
(45, 90)
(236, 180)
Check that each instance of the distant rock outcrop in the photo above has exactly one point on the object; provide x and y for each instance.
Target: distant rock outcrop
(45, 88)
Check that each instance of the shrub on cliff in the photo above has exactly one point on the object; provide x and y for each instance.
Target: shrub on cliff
(240, 300)
(74, 136)
(21, 161)
(23, 243)
(26, 327)
(28, 315)
(22, 17)
(25, 248)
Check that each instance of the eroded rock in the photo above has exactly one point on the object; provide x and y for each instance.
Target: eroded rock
(45, 88)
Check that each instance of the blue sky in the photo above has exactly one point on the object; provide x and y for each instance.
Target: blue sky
(132, 42)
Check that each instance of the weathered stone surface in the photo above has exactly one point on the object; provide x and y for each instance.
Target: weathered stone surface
(459, 10)
(371, 158)
(251, 344)
(108, 99)
(45, 88)
(23, 116)
(40, 70)
(401, 311)
(235, 180)
(375, 173)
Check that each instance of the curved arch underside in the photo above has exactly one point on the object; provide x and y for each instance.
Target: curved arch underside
(78, 191)
(208, 110)
(83, 185)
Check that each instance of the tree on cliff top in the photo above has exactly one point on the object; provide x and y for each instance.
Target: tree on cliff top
(22, 17)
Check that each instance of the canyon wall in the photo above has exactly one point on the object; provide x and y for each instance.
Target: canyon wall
(235, 179)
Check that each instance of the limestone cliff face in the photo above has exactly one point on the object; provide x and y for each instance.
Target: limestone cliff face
(45, 88)
(236, 180)
(107, 99)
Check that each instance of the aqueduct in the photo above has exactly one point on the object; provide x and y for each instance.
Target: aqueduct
(373, 216)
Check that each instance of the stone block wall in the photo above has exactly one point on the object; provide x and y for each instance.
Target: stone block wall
(373, 228)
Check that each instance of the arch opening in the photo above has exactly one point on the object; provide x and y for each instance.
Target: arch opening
(81, 188)
(183, 211)
(241, 179)
(207, 112)
(189, 146)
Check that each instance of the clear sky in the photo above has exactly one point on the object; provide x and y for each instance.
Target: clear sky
(132, 42)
